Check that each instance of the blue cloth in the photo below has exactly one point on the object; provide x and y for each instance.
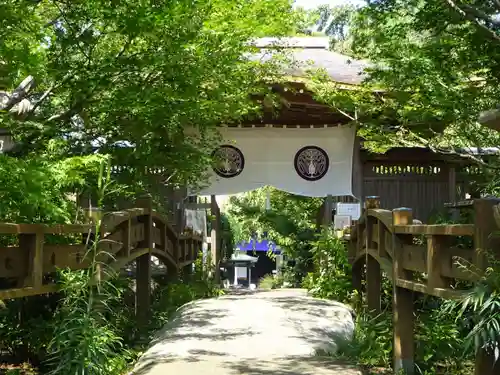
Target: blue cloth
(254, 245)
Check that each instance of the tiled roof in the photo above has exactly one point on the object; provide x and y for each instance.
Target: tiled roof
(312, 53)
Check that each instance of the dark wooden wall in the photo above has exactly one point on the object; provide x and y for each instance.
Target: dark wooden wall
(415, 178)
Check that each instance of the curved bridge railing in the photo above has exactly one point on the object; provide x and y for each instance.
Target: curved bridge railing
(38, 250)
(419, 258)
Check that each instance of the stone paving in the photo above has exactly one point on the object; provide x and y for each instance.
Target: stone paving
(252, 333)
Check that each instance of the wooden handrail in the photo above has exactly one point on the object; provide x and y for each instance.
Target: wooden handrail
(438, 229)
(417, 257)
(125, 235)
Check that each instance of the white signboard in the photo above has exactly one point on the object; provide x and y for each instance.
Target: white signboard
(341, 221)
(349, 209)
(196, 220)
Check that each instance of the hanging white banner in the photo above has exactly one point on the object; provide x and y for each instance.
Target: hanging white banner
(312, 162)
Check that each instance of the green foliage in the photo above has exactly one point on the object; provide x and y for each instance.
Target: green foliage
(290, 222)
(229, 232)
(371, 344)
(438, 341)
(42, 190)
(271, 282)
(306, 20)
(332, 276)
(433, 70)
(481, 307)
(82, 341)
(188, 62)
(334, 21)
(24, 329)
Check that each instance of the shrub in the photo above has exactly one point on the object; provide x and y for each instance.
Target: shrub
(271, 281)
(332, 276)
(371, 344)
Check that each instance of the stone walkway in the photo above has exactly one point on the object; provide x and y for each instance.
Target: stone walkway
(263, 333)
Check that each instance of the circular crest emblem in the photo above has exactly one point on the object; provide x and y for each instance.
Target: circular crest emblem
(228, 161)
(311, 163)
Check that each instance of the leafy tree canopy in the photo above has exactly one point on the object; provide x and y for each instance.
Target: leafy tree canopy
(435, 66)
(136, 73)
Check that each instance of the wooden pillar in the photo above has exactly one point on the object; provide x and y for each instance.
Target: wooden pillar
(486, 364)
(143, 289)
(143, 265)
(327, 213)
(187, 271)
(215, 238)
(402, 304)
(452, 185)
(484, 226)
(373, 272)
(146, 202)
(373, 285)
(357, 171)
(180, 217)
(485, 241)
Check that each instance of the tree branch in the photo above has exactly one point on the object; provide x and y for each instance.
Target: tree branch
(63, 115)
(49, 91)
(497, 3)
(426, 143)
(467, 15)
(440, 150)
(480, 14)
(19, 93)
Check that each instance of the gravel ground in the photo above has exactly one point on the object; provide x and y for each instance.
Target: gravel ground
(259, 333)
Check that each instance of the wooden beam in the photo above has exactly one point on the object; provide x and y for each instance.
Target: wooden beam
(438, 229)
(28, 291)
(7, 228)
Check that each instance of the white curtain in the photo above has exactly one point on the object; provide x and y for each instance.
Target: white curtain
(277, 157)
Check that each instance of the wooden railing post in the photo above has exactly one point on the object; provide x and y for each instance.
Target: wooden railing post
(143, 266)
(435, 259)
(373, 272)
(484, 226)
(33, 244)
(486, 363)
(402, 303)
(126, 241)
(372, 202)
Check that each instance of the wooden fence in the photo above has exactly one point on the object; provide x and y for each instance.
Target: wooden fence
(419, 258)
(28, 266)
